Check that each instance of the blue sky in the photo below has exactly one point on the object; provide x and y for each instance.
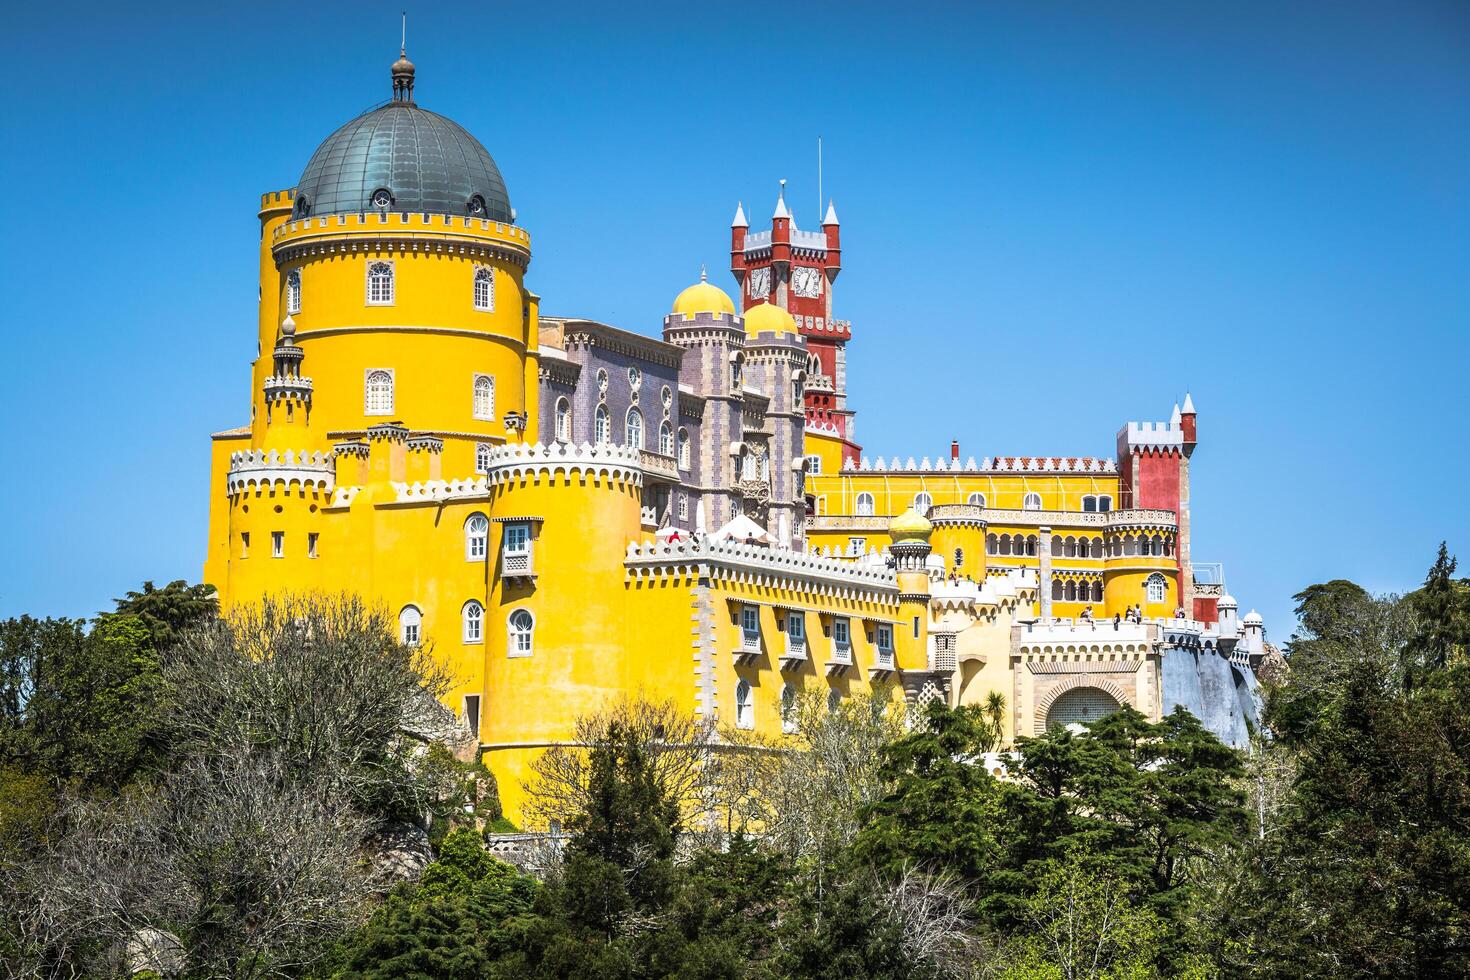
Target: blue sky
(1056, 218)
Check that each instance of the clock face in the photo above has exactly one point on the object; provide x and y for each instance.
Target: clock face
(760, 282)
(806, 282)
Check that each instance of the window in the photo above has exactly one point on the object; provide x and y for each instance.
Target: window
(856, 546)
(564, 420)
(485, 289)
(789, 720)
(735, 366)
(382, 198)
(865, 505)
(1031, 545)
(410, 625)
(666, 439)
(683, 449)
(747, 466)
(1157, 588)
(278, 544)
(476, 537)
(1104, 504)
(744, 710)
(841, 633)
(922, 502)
(750, 627)
(683, 506)
(311, 538)
(976, 500)
(1032, 501)
(992, 544)
(634, 432)
(517, 539)
(472, 713)
(380, 284)
(885, 638)
(813, 463)
(1089, 504)
(482, 457)
(293, 291)
(474, 622)
(635, 378)
(520, 626)
(602, 426)
(244, 544)
(378, 392)
(796, 391)
(959, 558)
(602, 379)
(795, 627)
(485, 397)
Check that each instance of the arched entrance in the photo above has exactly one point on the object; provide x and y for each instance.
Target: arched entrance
(1082, 706)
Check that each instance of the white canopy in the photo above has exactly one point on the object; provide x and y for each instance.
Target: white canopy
(743, 529)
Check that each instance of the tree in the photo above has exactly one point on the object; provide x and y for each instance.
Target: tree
(169, 611)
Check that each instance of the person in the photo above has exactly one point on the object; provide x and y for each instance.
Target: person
(1087, 614)
(1117, 620)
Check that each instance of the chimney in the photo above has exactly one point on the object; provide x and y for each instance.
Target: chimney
(954, 451)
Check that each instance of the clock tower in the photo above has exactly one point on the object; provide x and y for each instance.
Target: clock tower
(796, 270)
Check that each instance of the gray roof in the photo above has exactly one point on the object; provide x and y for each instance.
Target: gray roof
(429, 164)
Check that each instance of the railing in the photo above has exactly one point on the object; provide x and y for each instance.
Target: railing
(750, 641)
(1164, 519)
(883, 658)
(657, 464)
(841, 653)
(516, 564)
(795, 647)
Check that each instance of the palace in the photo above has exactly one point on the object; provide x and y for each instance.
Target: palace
(568, 511)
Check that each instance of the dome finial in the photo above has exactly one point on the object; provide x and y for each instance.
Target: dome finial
(703, 276)
(403, 68)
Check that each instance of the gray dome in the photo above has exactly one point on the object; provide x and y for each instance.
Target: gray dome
(427, 163)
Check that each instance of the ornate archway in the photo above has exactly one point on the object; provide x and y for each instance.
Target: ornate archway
(1076, 684)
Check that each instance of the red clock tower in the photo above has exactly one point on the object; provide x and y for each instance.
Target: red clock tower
(796, 270)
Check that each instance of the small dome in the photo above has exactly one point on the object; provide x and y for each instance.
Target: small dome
(768, 318)
(703, 298)
(909, 526)
(288, 327)
(1227, 602)
(1252, 618)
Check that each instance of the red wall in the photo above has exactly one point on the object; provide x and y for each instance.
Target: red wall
(1156, 481)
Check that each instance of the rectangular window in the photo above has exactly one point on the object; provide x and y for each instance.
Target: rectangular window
(517, 539)
(840, 634)
(311, 544)
(411, 634)
(244, 544)
(472, 713)
(814, 463)
(683, 506)
(796, 626)
(856, 546)
(750, 627)
(916, 627)
(278, 544)
(885, 637)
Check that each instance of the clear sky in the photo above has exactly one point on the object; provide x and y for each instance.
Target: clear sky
(1056, 218)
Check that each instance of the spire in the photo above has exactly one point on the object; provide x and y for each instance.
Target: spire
(781, 211)
(740, 221)
(1188, 404)
(831, 218)
(1174, 416)
(403, 69)
(703, 277)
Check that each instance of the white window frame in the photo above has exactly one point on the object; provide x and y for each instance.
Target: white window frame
(1032, 501)
(472, 619)
(483, 409)
(293, 291)
(976, 499)
(278, 544)
(841, 632)
(312, 537)
(795, 626)
(683, 506)
(485, 274)
(410, 625)
(563, 419)
(602, 426)
(883, 638)
(368, 405)
(1104, 504)
(857, 545)
(683, 448)
(520, 641)
(744, 705)
(925, 498)
(865, 505)
(750, 627)
(482, 457)
(476, 537)
(392, 283)
(628, 423)
(666, 445)
(1156, 580)
(813, 463)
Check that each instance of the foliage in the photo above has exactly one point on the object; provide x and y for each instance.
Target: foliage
(168, 612)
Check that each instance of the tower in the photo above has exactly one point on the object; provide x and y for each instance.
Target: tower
(796, 270)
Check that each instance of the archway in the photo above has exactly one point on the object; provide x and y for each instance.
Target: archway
(1082, 706)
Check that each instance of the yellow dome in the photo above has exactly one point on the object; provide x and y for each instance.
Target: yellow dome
(768, 318)
(703, 298)
(909, 526)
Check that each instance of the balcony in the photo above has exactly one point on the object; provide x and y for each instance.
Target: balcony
(882, 662)
(657, 464)
(841, 658)
(750, 646)
(795, 653)
(517, 564)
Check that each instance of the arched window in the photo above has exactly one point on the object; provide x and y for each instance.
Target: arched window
(1071, 590)
(1130, 545)
(865, 505)
(485, 289)
(976, 500)
(1157, 588)
(789, 721)
(1104, 504)
(744, 709)
(992, 544)
(1089, 503)
(293, 291)
(482, 457)
(378, 392)
(922, 502)
(1097, 590)
(564, 420)
(666, 439)
(796, 391)
(1032, 501)
(410, 624)
(473, 616)
(1031, 545)
(1005, 544)
(484, 397)
(735, 370)
(1056, 590)
(683, 449)
(602, 426)
(519, 628)
(476, 537)
(1069, 547)
(380, 284)
(634, 431)
(1056, 545)
(1097, 548)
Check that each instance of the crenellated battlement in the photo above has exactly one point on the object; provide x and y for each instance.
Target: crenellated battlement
(996, 464)
(761, 565)
(397, 230)
(1152, 435)
(265, 469)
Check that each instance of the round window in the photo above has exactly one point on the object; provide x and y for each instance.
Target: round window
(477, 205)
(382, 198)
(635, 377)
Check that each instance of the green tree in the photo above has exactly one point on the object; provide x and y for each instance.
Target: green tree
(168, 611)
